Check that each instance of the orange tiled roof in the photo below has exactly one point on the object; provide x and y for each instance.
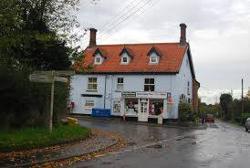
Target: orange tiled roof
(170, 59)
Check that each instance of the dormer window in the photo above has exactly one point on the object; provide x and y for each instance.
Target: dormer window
(98, 60)
(153, 59)
(98, 57)
(154, 56)
(126, 56)
(124, 60)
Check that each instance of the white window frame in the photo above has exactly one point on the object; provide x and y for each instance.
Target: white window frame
(98, 62)
(89, 104)
(122, 62)
(149, 84)
(120, 85)
(153, 57)
(93, 83)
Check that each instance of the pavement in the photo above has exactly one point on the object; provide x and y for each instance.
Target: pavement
(98, 141)
(221, 145)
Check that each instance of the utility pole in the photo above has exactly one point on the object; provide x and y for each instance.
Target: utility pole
(242, 97)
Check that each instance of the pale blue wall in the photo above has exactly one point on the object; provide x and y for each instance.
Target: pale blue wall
(176, 84)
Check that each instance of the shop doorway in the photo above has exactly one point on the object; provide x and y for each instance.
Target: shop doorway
(143, 112)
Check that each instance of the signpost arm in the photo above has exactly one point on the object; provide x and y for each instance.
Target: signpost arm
(51, 102)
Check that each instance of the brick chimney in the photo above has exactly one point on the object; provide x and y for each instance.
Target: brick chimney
(92, 38)
(183, 34)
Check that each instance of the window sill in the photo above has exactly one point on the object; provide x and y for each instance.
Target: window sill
(88, 107)
(153, 63)
(118, 90)
(92, 91)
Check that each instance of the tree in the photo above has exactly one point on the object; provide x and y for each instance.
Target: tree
(29, 33)
(31, 38)
(226, 101)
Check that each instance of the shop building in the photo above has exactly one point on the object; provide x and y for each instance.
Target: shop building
(135, 80)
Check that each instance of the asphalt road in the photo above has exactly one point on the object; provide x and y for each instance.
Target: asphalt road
(221, 145)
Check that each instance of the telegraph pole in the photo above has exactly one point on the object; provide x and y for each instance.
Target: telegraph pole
(242, 97)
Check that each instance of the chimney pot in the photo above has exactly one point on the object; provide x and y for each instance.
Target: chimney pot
(183, 34)
(92, 38)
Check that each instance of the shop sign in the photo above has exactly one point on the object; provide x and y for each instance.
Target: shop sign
(156, 95)
(129, 94)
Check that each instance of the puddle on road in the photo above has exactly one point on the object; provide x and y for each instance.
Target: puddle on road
(156, 146)
(131, 143)
(186, 137)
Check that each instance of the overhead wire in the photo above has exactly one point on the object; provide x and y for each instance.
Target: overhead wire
(123, 10)
(138, 9)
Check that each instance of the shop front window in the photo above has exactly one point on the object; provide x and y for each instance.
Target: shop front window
(131, 106)
(155, 106)
(117, 106)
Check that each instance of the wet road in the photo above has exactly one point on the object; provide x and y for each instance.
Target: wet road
(221, 145)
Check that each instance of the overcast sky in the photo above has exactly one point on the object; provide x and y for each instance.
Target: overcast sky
(217, 30)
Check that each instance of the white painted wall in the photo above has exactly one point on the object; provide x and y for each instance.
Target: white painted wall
(176, 84)
(181, 81)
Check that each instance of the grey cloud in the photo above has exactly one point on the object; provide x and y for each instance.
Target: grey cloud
(218, 31)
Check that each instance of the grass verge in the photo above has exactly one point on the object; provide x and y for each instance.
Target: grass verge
(29, 138)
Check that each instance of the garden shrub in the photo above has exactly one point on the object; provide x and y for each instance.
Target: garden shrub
(185, 112)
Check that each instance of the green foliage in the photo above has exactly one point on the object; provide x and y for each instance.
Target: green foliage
(209, 109)
(226, 102)
(185, 112)
(237, 110)
(24, 103)
(29, 138)
(29, 41)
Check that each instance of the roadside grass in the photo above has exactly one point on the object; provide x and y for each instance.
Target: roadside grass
(29, 138)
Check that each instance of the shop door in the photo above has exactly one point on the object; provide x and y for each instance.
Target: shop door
(143, 112)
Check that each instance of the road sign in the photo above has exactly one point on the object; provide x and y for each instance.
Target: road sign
(56, 73)
(41, 78)
(50, 77)
(60, 79)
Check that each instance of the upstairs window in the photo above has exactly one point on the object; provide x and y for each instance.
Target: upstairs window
(124, 60)
(120, 84)
(154, 55)
(153, 59)
(98, 60)
(149, 84)
(126, 55)
(92, 84)
(98, 56)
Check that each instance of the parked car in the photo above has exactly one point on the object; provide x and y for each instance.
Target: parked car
(209, 118)
(247, 124)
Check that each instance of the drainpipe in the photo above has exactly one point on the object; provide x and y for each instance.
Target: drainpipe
(111, 96)
(105, 87)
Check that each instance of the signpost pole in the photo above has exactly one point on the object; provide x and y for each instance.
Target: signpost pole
(50, 77)
(51, 102)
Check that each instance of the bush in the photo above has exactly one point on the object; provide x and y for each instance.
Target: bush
(185, 112)
(24, 103)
